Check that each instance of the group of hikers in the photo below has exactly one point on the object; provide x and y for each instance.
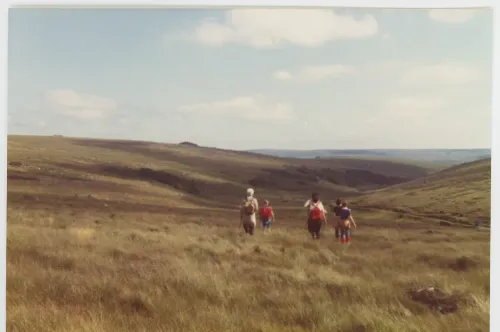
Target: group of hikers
(316, 216)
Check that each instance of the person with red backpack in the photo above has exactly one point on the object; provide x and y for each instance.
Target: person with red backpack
(247, 212)
(266, 216)
(316, 216)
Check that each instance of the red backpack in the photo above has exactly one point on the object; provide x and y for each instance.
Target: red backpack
(316, 213)
(266, 212)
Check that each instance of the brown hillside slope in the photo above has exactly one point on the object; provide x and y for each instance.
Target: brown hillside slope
(460, 193)
(98, 242)
(106, 169)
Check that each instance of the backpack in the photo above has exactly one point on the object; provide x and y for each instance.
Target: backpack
(315, 213)
(249, 207)
(266, 212)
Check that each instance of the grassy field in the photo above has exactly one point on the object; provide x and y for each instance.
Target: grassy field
(110, 248)
(458, 194)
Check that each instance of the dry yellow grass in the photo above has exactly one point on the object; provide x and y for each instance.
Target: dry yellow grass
(173, 275)
(460, 193)
(134, 256)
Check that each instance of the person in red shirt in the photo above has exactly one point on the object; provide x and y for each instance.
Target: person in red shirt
(266, 216)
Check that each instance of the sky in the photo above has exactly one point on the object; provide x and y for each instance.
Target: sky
(254, 78)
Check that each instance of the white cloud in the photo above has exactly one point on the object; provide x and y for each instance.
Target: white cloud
(447, 73)
(252, 108)
(316, 73)
(386, 36)
(282, 75)
(80, 105)
(271, 28)
(414, 105)
(405, 113)
(453, 15)
(451, 73)
(390, 66)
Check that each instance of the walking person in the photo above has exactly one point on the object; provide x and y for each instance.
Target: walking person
(316, 216)
(266, 216)
(346, 223)
(247, 212)
(336, 210)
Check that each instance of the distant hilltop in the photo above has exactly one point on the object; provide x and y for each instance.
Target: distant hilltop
(188, 144)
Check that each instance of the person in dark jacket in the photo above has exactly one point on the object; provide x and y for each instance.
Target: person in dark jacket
(336, 210)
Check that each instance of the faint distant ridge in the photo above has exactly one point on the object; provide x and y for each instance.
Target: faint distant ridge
(188, 144)
(448, 156)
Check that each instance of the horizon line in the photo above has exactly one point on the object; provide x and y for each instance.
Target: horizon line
(243, 150)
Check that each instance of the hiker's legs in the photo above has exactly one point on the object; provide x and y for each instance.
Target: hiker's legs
(342, 236)
(266, 225)
(251, 229)
(347, 236)
(310, 228)
(337, 231)
(313, 229)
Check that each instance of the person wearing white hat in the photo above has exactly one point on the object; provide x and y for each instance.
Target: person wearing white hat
(248, 212)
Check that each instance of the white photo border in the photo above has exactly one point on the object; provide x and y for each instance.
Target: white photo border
(415, 4)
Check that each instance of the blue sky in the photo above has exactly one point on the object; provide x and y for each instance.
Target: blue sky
(254, 78)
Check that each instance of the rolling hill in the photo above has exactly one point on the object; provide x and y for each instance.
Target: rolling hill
(106, 235)
(460, 194)
(87, 172)
(201, 176)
